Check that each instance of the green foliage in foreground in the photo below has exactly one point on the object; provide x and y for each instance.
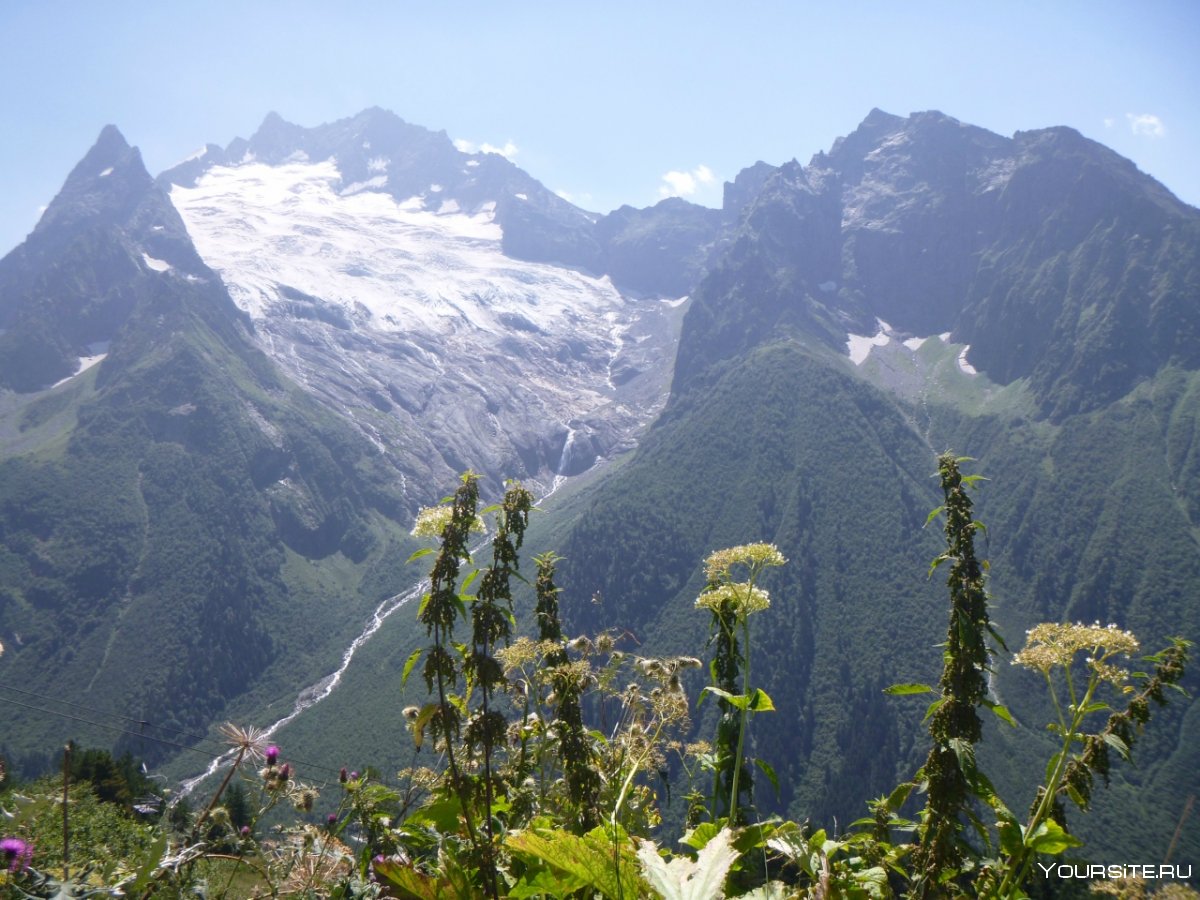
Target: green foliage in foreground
(521, 725)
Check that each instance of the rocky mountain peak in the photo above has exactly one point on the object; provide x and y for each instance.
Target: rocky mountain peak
(107, 183)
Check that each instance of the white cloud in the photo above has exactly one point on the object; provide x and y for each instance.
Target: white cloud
(1109, 121)
(508, 151)
(1146, 125)
(684, 184)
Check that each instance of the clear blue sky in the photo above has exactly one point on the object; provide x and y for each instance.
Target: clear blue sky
(600, 100)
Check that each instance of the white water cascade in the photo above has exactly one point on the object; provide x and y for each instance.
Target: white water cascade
(315, 693)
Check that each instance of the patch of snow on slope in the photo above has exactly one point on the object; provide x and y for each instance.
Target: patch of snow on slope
(859, 346)
(379, 181)
(157, 265)
(963, 364)
(106, 172)
(915, 343)
(99, 351)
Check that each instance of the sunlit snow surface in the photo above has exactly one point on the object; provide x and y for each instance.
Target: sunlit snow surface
(361, 296)
(395, 266)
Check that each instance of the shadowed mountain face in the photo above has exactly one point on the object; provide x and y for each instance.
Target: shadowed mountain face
(263, 361)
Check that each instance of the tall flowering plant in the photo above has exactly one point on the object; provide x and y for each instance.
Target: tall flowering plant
(731, 596)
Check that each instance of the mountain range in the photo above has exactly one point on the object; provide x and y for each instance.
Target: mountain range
(228, 389)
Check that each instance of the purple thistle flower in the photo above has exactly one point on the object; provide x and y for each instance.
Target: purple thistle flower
(272, 755)
(285, 771)
(15, 854)
(331, 819)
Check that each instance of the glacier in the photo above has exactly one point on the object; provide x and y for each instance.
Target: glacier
(409, 317)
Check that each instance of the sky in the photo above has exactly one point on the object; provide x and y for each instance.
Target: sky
(607, 103)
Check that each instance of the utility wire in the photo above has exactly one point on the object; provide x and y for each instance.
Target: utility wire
(142, 723)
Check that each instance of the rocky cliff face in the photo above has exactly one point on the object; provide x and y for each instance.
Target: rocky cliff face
(1050, 256)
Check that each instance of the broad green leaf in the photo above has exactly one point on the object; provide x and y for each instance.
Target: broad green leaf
(933, 514)
(760, 701)
(545, 883)
(417, 554)
(900, 690)
(699, 836)
(1049, 837)
(413, 883)
(588, 858)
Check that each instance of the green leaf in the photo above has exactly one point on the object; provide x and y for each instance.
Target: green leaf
(413, 883)
(424, 551)
(442, 815)
(900, 690)
(408, 666)
(769, 772)
(897, 797)
(1001, 712)
(1011, 839)
(716, 691)
(933, 707)
(1049, 837)
(1116, 743)
(933, 514)
(470, 580)
(760, 701)
(1077, 798)
(699, 836)
(589, 858)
